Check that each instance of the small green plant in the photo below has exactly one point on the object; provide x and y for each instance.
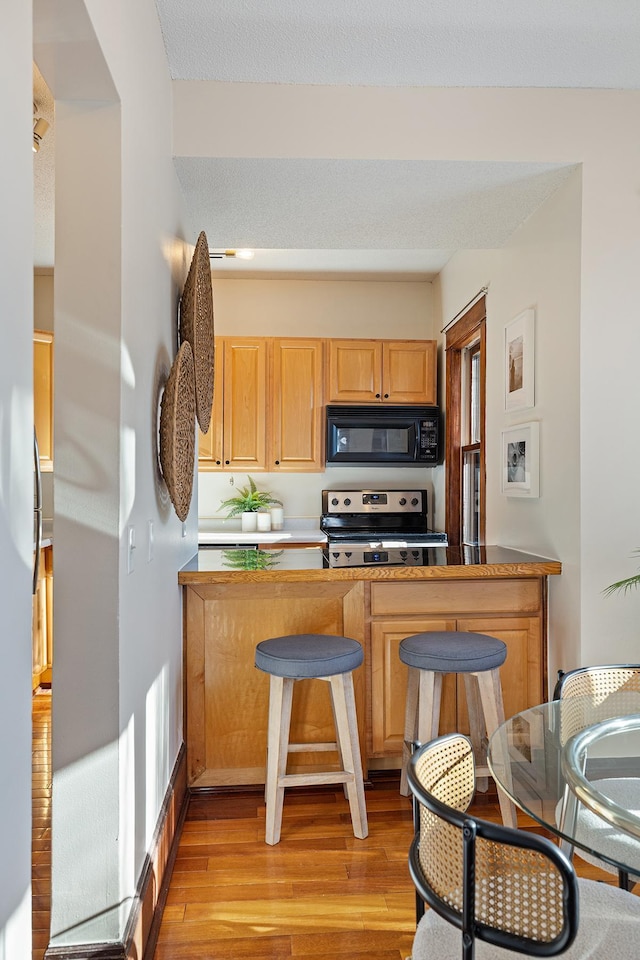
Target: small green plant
(248, 500)
(251, 559)
(622, 586)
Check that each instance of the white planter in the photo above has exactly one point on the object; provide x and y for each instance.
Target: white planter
(264, 520)
(249, 521)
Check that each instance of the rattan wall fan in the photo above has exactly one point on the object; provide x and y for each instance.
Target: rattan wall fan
(196, 327)
(178, 430)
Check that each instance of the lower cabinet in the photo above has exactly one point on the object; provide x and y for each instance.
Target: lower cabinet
(227, 698)
(42, 621)
(511, 610)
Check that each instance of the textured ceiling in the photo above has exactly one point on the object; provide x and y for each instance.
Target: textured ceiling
(440, 43)
(428, 207)
(324, 215)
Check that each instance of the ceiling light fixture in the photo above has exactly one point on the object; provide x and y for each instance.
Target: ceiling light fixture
(40, 127)
(231, 254)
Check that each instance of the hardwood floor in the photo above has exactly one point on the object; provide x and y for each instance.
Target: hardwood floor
(318, 894)
(41, 822)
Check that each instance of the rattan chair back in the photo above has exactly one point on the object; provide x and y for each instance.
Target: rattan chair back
(592, 694)
(506, 887)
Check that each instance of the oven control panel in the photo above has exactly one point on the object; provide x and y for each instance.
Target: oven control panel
(374, 501)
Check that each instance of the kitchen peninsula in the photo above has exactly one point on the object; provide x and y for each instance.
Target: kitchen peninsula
(233, 599)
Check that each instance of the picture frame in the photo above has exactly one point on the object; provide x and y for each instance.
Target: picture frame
(519, 362)
(520, 460)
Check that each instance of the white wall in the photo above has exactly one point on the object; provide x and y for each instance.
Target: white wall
(120, 260)
(538, 268)
(43, 315)
(315, 308)
(16, 465)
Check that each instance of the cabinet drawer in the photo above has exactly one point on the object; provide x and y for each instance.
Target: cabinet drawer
(454, 598)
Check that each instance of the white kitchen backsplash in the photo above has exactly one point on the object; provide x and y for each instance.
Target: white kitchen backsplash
(301, 493)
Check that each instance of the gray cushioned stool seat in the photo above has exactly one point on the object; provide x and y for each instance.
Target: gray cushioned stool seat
(452, 651)
(308, 655)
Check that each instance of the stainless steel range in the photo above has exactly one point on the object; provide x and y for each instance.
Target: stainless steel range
(383, 527)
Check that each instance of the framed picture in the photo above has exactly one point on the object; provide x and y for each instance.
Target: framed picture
(519, 362)
(520, 460)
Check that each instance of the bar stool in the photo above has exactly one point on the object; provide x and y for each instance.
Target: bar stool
(322, 657)
(477, 657)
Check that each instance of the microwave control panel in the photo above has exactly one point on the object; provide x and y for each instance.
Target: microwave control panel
(429, 433)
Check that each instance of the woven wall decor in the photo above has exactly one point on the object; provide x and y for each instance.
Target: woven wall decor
(196, 327)
(178, 430)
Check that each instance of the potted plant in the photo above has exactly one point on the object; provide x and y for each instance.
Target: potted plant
(628, 583)
(246, 503)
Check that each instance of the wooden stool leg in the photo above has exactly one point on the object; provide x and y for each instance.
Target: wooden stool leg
(492, 706)
(410, 724)
(344, 707)
(427, 714)
(429, 705)
(280, 699)
(476, 725)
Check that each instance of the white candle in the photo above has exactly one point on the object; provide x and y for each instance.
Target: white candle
(264, 521)
(277, 518)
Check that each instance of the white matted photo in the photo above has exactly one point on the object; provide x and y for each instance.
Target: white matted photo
(519, 373)
(520, 460)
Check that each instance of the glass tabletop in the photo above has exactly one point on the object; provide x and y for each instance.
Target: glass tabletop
(550, 754)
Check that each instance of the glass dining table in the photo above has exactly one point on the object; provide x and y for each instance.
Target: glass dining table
(579, 751)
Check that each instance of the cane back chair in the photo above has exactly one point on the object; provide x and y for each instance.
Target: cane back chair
(589, 695)
(513, 891)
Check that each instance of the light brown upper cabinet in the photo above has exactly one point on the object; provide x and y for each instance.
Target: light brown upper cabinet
(382, 371)
(267, 406)
(43, 395)
(297, 423)
(237, 438)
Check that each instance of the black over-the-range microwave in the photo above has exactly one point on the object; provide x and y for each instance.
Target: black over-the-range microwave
(383, 435)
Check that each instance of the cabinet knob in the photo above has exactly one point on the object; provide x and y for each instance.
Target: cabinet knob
(386, 396)
(277, 463)
(227, 462)
(218, 462)
(377, 396)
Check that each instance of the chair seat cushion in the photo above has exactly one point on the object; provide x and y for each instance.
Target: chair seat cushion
(308, 655)
(609, 929)
(453, 651)
(592, 830)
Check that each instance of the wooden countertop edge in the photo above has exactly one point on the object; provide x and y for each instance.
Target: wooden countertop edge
(484, 571)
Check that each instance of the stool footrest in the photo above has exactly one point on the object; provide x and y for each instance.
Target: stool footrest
(311, 747)
(303, 779)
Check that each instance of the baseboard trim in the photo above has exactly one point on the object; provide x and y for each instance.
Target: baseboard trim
(141, 931)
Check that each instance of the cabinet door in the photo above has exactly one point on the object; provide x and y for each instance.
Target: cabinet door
(210, 443)
(43, 396)
(245, 424)
(409, 371)
(522, 672)
(297, 371)
(227, 699)
(389, 684)
(355, 370)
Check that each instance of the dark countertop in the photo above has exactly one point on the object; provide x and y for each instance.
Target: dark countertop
(215, 565)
